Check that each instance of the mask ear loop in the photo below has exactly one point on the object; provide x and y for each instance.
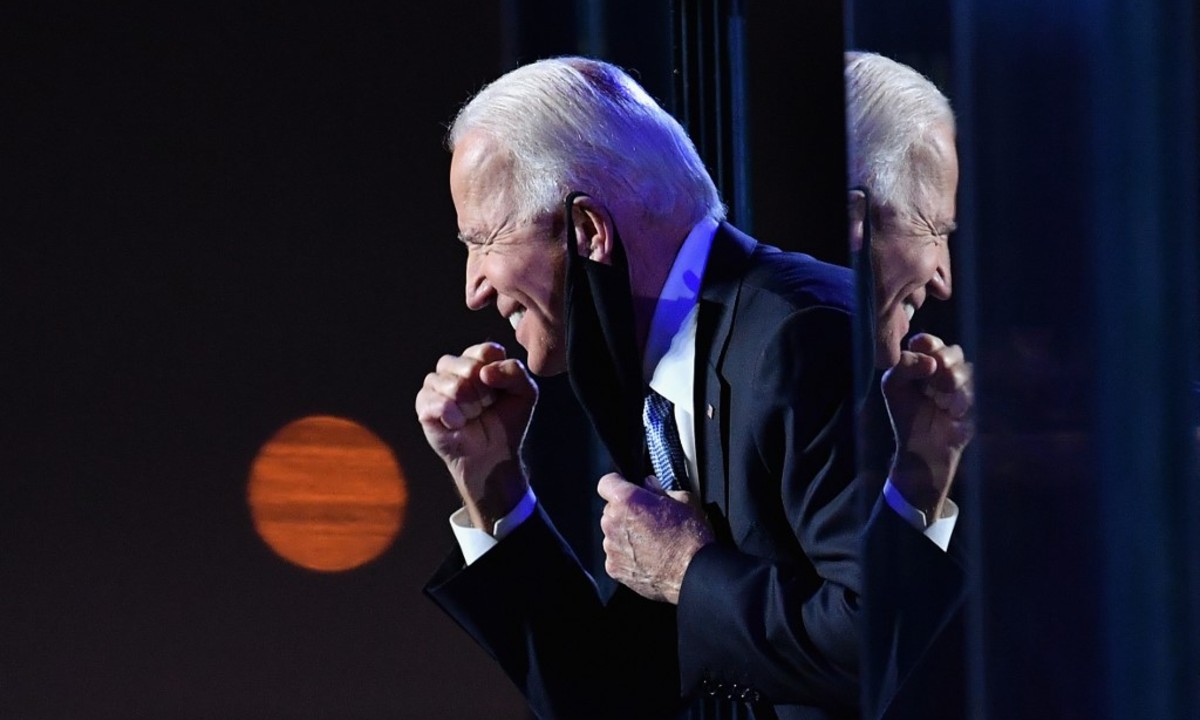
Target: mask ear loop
(569, 214)
(864, 281)
(618, 250)
(602, 363)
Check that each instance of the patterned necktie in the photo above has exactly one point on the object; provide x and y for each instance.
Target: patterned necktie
(662, 441)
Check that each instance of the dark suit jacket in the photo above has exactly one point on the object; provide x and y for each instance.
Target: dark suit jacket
(766, 622)
(914, 633)
(913, 655)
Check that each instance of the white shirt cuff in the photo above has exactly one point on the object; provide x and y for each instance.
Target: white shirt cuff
(939, 531)
(475, 542)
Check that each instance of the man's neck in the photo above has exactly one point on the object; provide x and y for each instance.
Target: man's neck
(651, 256)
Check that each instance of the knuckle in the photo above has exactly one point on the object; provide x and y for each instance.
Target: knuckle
(608, 524)
(446, 404)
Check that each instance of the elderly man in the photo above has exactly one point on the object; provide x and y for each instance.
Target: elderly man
(739, 558)
(904, 171)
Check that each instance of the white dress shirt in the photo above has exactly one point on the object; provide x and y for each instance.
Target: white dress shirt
(669, 363)
(939, 531)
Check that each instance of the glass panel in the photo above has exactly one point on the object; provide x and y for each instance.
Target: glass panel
(1075, 294)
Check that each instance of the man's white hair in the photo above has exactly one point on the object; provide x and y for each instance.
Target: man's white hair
(891, 113)
(574, 123)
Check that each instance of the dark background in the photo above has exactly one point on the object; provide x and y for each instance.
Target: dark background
(1075, 269)
(220, 218)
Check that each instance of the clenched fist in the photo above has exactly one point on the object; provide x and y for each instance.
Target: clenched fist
(650, 537)
(930, 395)
(474, 409)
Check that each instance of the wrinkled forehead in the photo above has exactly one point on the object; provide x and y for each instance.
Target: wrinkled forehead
(478, 155)
(481, 171)
(933, 165)
(944, 185)
(941, 139)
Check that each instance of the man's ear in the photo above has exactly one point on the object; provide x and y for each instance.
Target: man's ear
(593, 230)
(856, 204)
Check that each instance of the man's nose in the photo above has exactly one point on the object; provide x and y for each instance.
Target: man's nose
(479, 290)
(940, 286)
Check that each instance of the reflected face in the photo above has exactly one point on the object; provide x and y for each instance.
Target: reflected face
(910, 253)
(517, 264)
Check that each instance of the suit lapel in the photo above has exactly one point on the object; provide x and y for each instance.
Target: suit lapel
(723, 275)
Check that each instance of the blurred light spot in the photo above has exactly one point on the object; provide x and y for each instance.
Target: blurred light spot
(326, 494)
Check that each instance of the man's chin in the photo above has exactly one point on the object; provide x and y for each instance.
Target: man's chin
(553, 372)
(546, 367)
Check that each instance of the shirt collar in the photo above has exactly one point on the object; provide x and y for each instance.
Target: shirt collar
(669, 361)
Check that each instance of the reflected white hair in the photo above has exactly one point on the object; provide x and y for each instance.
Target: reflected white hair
(891, 112)
(573, 123)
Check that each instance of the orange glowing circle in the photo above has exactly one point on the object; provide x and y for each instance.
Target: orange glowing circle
(327, 494)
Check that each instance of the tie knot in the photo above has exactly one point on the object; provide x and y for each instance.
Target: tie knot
(658, 408)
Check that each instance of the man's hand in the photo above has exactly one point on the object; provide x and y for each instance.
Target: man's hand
(474, 409)
(650, 537)
(929, 395)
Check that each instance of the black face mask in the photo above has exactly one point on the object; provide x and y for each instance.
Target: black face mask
(602, 358)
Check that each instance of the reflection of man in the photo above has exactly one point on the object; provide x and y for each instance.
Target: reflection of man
(904, 171)
(747, 578)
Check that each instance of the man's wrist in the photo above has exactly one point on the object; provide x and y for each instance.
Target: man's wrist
(938, 529)
(475, 541)
(923, 485)
(502, 491)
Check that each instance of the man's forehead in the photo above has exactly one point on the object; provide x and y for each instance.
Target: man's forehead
(480, 175)
(477, 153)
(936, 202)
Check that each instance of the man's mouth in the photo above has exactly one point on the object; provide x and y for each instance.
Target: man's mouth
(515, 318)
(909, 310)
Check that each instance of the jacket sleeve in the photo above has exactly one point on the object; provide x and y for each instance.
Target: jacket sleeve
(531, 606)
(913, 593)
(785, 631)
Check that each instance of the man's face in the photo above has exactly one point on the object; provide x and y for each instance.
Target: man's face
(910, 254)
(517, 264)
